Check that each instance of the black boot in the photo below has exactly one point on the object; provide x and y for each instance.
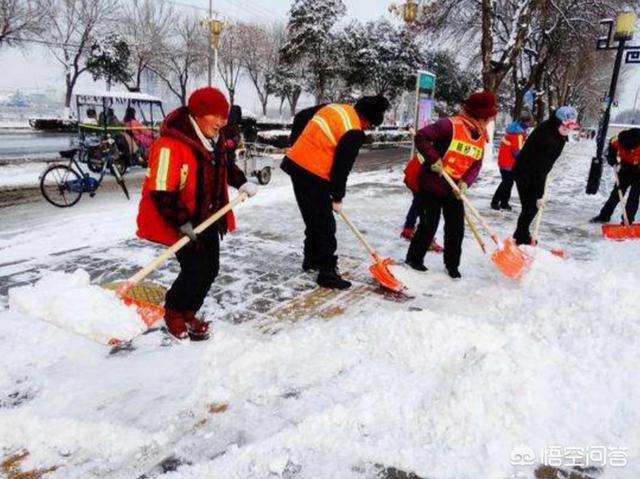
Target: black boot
(506, 206)
(417, 265)
(599, 219)
(329, 278)
(495, 206)
(454, 273)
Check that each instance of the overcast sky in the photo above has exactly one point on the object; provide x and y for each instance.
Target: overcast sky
(36, 70)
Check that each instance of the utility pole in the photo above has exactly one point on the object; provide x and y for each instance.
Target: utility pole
(210, 76)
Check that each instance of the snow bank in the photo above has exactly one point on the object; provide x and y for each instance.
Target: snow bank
(70, 302)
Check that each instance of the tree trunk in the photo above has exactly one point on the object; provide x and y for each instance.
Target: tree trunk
(232, 95)
(488, 79)
(264, 105)
(293, 102)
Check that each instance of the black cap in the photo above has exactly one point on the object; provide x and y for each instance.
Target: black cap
(372, 108)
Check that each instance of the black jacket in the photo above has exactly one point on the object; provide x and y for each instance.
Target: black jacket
(345, 155)
(538, 155)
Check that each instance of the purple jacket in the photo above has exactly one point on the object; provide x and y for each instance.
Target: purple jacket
(432, 142)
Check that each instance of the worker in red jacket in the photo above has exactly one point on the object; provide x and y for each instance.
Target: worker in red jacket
(187, 182)
(626, 146)
(456, 146)
(510, 146)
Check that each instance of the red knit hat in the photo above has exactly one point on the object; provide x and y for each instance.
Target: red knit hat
(481, 105)
(208, 101)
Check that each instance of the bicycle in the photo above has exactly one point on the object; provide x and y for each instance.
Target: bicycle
(63, 185)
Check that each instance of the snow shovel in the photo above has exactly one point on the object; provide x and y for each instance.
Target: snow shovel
(145, 295)
(380, 267)
(623, 231)
(508, 258)
(476, 233)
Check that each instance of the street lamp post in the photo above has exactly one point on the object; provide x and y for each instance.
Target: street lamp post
(215, 28)
(624, 29)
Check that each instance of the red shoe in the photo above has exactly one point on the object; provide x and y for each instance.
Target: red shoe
(435, 247)
(198, 329)
(407, 233)
(175, 324)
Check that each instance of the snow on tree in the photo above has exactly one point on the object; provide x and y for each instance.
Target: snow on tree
(184, 54)
(109, 59)
(20, 17)
(312, 42)
(144, 24)
(229, 63)
(259, 57)
(379, 57)
(68, 31)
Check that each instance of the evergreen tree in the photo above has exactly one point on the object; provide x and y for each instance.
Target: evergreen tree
(312, 43)
(109, 59)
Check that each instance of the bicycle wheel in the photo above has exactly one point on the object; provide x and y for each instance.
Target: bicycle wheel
(61, 186)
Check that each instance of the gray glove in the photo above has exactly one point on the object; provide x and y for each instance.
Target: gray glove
(187, 230)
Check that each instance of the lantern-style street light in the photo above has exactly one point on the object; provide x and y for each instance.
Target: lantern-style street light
(407, 10)
(624, 29)
(215, 30)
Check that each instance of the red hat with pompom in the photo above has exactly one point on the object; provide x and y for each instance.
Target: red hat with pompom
(208, 101)
(481, 105)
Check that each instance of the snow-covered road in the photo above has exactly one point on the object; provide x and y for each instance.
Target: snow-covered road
(453, 380)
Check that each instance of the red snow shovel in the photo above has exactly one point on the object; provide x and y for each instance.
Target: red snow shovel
(508, 258)
(142, 295)
(624, 231)
(380, 267)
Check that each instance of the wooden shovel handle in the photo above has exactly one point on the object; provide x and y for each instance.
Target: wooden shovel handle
(359, 235)
(623, 200)
(167, 253)
(469, 205)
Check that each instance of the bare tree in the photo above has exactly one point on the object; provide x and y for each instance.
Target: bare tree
(183, 55)
(145, 25)
(68, 33)
(259, 56)
(501, 26)
(229, 62)
(20, 17)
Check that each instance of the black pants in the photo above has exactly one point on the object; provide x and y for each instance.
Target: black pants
(314, 201)
(529, 199)
(628, 178)
(199, 266)
(429, 208)
(503, 193)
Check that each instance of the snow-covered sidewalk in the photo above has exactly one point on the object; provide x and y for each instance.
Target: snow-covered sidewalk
(478, 378)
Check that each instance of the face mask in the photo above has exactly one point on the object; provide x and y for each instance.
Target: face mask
(564, 131)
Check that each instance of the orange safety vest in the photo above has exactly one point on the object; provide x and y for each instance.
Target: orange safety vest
(314, 149)
(510, 142)
(463, 150)
(631, 157)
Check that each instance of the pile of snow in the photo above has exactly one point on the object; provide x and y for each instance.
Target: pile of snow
(70, 302)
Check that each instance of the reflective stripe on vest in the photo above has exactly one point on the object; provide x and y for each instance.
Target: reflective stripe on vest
(163, 169)
(463, 150)
(315, 147)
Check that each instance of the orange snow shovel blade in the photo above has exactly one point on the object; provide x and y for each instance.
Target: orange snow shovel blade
(621, 232)
(380, 272)
(510, 260)
(147, 297)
